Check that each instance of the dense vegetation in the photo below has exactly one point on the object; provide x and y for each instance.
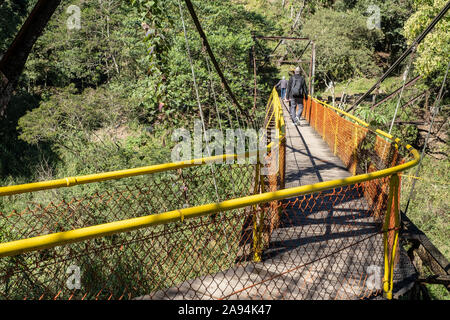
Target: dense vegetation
(108, 96)
(99, 89)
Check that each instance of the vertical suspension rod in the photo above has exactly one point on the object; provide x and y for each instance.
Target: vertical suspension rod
(213, 59)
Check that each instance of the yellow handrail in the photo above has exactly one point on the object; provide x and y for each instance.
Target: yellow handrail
(52, 240)
(77, 235)
(361, 122)
(120, 174)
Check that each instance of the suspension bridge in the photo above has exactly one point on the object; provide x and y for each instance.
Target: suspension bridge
(323, 224)
(319, 219)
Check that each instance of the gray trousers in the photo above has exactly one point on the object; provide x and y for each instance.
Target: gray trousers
(293, 104)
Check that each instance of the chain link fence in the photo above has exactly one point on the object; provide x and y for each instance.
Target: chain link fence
(320, 245)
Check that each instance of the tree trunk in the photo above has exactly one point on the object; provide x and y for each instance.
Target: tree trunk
(13, 62)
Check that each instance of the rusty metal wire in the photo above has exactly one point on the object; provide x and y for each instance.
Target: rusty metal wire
(120, 264)
(322, 247)
(325, 245)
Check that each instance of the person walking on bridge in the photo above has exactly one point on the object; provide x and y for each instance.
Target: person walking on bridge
(296, 91)
(282, 85)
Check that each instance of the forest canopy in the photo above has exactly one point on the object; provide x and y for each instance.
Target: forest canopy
(108, 93)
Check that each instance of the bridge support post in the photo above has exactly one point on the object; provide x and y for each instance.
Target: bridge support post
(355, 152)
(258, 219)
(336, 137)
(282, 164)
(390, 235)
(315, 116)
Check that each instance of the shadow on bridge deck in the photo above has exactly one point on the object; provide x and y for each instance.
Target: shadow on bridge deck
(308, 158)
(326, 245)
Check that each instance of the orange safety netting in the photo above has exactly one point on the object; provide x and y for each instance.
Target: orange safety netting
(325, 245)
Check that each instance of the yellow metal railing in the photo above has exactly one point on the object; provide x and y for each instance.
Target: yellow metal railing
(274, 108)
(393, 209)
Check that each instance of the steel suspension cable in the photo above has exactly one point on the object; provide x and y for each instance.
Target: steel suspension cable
(416, 42)
(210, 76)
(214, 61)
(405, 77)
(230, 120)
(211, 84)
(198, 98)
(201, 115)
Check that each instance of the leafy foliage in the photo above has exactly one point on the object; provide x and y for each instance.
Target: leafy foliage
(344, 44)
(12, 14)
(91, 132)
(107, 46)
(119, 84)
(393, 14)
(434, 51)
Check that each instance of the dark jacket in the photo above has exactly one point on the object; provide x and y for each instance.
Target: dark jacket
(289, 94)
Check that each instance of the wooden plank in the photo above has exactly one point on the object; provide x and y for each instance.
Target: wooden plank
(435, 279)
(430, 254)
(321, 249)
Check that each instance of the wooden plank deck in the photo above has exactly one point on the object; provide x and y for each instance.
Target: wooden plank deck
(308, 158)
(310, 255)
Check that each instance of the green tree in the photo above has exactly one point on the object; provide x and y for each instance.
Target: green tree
(12, 14)
(393, 15)
(434, 52)
(133, 84)
(108, 45)
(228, 27)
(344, 44)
